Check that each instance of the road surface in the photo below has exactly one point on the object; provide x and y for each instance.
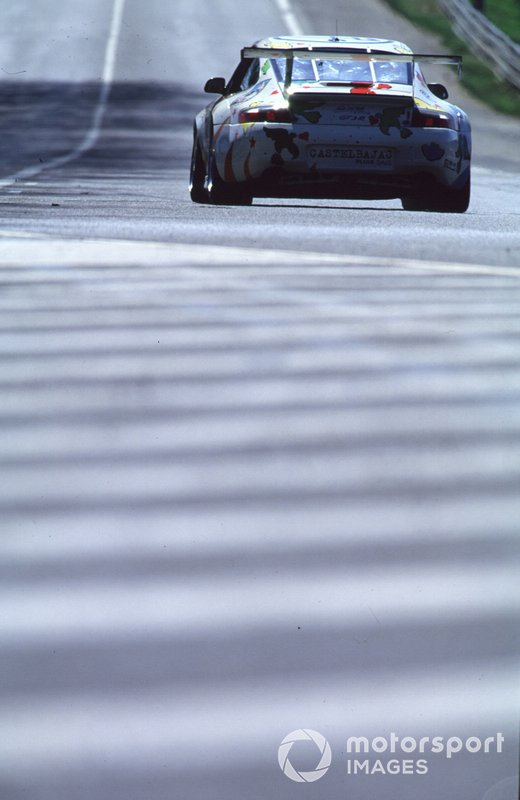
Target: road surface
(260, 466)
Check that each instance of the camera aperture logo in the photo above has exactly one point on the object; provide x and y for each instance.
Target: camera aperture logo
(384, 755)
(304, 735)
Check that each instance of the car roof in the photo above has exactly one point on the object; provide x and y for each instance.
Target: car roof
(335, 42)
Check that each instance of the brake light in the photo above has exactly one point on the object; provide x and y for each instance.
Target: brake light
(265, 115)
(423, 118)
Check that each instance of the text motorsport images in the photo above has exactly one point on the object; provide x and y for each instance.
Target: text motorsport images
(400, 748)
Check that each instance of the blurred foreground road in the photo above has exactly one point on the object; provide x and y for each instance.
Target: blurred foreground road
(260, 466)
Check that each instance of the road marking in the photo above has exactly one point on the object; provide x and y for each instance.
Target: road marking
(107, 77)
(289, 17)
(24, 249)
(92, 134)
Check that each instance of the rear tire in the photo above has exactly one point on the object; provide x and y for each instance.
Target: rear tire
(198, 192)
(456, 201)
(221, 193)
(441, 200)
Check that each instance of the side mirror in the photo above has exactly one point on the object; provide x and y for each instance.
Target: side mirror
(215, 86)
(438, 90)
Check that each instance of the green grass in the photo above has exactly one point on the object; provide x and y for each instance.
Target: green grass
(505, 14)
(476, 76)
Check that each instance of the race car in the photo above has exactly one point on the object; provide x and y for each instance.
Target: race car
(332, 117)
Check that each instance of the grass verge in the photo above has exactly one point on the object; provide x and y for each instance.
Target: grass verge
(476, 76)
(505, 14)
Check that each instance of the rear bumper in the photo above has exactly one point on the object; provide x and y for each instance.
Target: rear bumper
(335, 160)
(352, 185)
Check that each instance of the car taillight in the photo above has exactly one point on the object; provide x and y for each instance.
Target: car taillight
(423, 118)
(265, 115)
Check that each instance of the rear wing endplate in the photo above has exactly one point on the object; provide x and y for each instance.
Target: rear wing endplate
(290, 53)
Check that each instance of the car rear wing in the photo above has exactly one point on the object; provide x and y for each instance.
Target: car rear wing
(290, 53)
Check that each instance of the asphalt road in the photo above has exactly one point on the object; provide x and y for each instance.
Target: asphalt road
(260, 466)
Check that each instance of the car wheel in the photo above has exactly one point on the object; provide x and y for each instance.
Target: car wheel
(198, 193)
(414, 202)
(442, 200)
(227, 194)
(456, 201)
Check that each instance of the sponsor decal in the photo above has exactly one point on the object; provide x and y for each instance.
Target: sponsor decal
(463, 152)
(388, 119)
(363, 153)
(353, 117)
(229, 175)
(255, 90)
(378, 157)
(283, 140)
(306, 109)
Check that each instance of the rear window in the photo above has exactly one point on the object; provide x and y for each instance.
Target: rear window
(305, 71)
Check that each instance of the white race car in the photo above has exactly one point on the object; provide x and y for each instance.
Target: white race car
(342, 117)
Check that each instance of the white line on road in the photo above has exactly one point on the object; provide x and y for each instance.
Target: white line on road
(289, 17)
(92, 134)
